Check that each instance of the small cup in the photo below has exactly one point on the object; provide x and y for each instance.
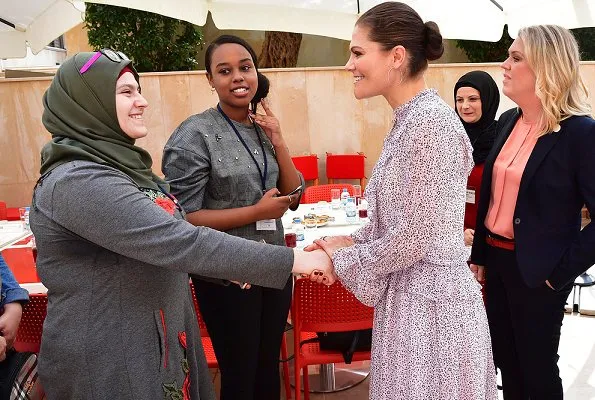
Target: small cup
(335, 198)
(357, 193)
(290, 240)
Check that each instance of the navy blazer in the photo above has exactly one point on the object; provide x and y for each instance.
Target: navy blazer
(558, 180)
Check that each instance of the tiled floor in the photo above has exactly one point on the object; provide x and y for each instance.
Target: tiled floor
(577, 361)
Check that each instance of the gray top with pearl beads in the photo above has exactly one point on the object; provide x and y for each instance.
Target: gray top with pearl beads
(208, 168)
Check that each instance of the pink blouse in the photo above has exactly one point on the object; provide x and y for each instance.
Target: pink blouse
(506, 178)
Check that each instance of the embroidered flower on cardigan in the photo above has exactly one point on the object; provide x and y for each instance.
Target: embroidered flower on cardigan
(172, 391)
(166, 204)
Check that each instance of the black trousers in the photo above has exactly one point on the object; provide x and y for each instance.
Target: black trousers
(525, 327)
(246, 328)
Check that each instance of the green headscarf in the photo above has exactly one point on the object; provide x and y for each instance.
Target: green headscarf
(80, 113)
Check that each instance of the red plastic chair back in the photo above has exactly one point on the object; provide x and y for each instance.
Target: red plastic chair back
(31, 326)
(314, 194)
(12, 214)
(320, 308)
(201, 321)
(207, 345)
(21, 262)
(346, 166)
(307, 165)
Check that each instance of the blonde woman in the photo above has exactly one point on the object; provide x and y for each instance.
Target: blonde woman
(528, 240)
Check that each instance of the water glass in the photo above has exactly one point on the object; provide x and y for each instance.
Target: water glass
(335, 199)
(357, 193)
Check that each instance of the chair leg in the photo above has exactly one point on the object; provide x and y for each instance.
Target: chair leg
(306, 379)
(362, 183)
(296, 377)
(284, 356)
(306, 383)
(578, 302)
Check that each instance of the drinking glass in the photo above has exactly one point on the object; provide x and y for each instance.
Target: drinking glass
(335, 198)
(357, 193)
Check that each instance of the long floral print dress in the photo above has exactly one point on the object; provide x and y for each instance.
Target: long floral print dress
(431, 339)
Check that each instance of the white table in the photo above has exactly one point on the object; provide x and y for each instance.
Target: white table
(327, 378)
(339, 226)
(11, 232)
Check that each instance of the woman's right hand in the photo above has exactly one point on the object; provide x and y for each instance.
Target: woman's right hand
(469, 234)
(3, 348)
(272, 206)
(316, 264)
(478, 272)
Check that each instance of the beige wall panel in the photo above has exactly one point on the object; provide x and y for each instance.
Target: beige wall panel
(289, 103)
(377, 117)
(316, 108)
(154, 119)
(75, 40)
(21, 138)
(175, 106)
(201, 96)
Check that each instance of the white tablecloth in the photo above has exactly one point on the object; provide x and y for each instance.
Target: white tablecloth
(11, 232)
(339, 226)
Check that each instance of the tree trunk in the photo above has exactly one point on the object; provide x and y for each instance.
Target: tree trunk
(280, 50)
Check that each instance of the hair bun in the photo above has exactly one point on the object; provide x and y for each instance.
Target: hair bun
(433, 41)
(262, 91)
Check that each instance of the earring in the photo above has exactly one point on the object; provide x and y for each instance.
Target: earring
(212, 90)
(400, 75)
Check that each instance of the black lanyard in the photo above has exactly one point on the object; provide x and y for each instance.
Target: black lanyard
(263, 175)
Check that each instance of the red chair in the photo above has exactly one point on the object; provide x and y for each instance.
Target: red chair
(31, 326)
(206, 340)
(2, 210)
(319, 308)
(12, 214)
(210, 351)
(346, 166)
(314, 194)
(308, 166)
(21, 261)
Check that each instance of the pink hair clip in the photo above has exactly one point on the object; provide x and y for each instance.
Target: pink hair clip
(90, 62)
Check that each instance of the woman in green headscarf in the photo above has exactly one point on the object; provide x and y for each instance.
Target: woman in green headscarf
(114, 250)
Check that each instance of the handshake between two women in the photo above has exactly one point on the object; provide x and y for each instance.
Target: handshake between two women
(315, 261)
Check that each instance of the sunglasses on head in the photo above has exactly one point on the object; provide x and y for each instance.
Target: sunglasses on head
(115, 56)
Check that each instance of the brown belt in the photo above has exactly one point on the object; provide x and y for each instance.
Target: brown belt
(500, 243)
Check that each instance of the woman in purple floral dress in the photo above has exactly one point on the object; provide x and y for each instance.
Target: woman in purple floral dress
(431, 339)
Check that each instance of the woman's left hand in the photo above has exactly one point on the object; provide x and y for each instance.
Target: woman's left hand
(9, 322)
(330, 244)
(270, 124)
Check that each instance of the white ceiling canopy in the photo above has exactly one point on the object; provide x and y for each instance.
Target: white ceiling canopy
(36, 23)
